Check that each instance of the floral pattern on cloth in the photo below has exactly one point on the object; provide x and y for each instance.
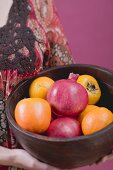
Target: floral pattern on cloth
(49, 48)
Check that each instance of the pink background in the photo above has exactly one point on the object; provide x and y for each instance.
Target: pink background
(88, 25)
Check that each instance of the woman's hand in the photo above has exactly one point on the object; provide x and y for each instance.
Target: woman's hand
(21, 159)
(106, 158)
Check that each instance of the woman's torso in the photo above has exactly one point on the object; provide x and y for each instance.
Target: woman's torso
(28, 44)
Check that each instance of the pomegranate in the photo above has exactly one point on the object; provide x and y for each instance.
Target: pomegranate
(73, 76)
(64, 127)
(67, 97)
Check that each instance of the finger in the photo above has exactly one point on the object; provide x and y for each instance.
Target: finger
(103, 160)
(25, 160)
(43, 166)
(106, 158)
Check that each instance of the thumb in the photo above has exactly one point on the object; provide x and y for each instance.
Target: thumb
(26, 161)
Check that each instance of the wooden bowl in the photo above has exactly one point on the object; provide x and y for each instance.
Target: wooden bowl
(66, 153)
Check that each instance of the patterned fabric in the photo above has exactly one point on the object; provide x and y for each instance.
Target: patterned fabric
(32, 39)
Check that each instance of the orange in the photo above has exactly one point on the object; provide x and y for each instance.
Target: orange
(40, 86)
(92, 87)
(85, 111)
(96, 120)
(33, 114)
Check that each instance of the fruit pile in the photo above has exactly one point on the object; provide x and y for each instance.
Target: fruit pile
(64, 108)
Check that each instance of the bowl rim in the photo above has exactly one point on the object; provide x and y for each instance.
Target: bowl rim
(13, 123)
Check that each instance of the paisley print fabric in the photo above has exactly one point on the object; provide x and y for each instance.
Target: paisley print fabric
(32, 39)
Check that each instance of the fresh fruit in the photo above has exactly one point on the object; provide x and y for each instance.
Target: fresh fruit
(39, 87)
(33, 114)
(96, 120)
(64, 127)
(73, 76)
(85, 111)
(92, 87)
(67, 97)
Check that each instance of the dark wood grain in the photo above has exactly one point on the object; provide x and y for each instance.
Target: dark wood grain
(66, 153)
